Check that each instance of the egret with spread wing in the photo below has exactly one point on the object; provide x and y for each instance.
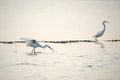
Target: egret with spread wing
(99, 34)
(33, 43)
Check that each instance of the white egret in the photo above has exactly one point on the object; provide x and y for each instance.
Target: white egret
(33, 43)
(99, 34)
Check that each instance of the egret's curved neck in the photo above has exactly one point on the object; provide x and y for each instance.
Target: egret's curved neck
(43, 46)
(104, 26)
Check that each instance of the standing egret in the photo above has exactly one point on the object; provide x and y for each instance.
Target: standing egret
(99, 34)
(33, 43)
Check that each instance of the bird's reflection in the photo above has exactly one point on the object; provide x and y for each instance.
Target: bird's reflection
(101, 44)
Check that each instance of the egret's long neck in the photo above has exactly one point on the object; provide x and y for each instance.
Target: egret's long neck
(104, 27)
(43, 46)
(47, 46)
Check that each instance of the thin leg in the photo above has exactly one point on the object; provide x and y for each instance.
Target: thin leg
(96, 39)
(34, 50)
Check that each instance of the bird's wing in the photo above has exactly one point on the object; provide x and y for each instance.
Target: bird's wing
(26, 39)
(99, 34)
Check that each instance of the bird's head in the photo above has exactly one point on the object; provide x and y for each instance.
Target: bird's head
(105, 22)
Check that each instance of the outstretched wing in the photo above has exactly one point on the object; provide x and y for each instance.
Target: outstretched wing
(26, 39)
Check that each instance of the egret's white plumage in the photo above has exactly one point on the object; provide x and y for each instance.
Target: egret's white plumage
(33, 43)
(99, 34)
